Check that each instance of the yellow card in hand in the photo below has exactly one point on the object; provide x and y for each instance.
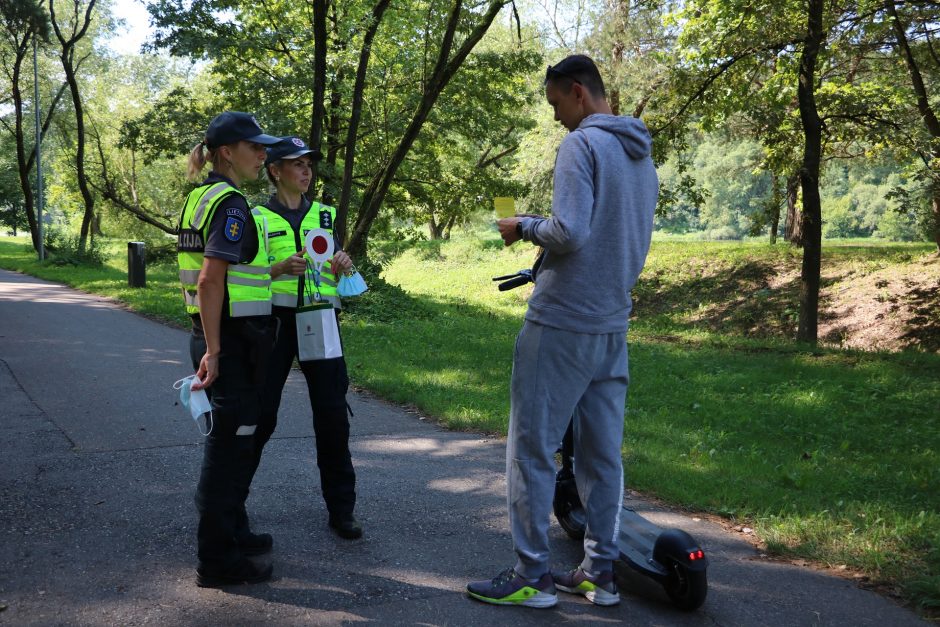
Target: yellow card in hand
(505, 206)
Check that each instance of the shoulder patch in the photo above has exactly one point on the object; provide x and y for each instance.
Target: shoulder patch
(233, 229)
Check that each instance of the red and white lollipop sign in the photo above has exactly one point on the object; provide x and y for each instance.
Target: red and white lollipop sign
(319, 245)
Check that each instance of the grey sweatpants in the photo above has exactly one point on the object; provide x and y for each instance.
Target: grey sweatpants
(555, 373)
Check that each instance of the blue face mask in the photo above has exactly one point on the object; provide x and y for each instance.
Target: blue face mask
(351, 284)
(196, 401)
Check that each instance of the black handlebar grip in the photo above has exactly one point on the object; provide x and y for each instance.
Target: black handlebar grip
(522, 279)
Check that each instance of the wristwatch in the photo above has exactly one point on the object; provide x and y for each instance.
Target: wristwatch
(519, 229)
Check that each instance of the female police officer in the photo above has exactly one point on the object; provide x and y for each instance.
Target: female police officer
(226, 285)
(289, 217)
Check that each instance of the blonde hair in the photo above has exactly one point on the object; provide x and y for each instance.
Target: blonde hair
(198, 157)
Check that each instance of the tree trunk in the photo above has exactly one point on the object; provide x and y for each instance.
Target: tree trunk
(22, 161)
(923, 106)
(333, 145)
(449, 226)
(793, 228)
(774, 207)
(435, 230)
(22, 21)
(349, 154)
(25, 159)
(319, 82)
(444, 70)
(336, 115)
(68, 64)
(935, 205)
(809, 175)
(622, 9)
(82, 180)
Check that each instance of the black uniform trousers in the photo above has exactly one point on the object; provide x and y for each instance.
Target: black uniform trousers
(228, 454)
(327, 384)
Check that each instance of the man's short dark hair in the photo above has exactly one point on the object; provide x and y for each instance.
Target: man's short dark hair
(576, 68)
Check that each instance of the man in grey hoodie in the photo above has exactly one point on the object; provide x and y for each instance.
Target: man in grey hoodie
(570, 357)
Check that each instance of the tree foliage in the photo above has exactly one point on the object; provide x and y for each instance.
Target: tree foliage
(386, 67)
(768, 118)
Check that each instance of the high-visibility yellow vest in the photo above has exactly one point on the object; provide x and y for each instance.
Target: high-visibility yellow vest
(248, 285)
(284, 241)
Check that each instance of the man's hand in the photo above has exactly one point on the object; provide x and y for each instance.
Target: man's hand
(508, 230)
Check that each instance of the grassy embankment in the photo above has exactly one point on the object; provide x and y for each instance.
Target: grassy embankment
(830, 455)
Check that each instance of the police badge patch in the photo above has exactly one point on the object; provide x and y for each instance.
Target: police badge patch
(233, 229)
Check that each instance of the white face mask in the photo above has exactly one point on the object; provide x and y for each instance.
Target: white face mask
(195, 400)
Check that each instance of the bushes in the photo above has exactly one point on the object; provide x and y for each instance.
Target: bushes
(67, 250)
(898, 226)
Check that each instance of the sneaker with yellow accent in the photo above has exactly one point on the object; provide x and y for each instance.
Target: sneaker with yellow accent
(509, 588)
(599, 590)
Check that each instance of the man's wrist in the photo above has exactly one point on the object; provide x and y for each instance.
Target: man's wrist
(519, 229)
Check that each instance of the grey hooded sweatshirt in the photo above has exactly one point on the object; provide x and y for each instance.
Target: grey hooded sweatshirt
(596, 241)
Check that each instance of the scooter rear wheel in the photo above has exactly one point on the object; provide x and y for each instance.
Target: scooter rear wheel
(567, 506)
(685, 588)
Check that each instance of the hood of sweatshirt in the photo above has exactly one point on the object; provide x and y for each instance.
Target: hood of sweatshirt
(632, 133)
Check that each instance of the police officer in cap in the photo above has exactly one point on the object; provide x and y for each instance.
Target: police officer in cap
(227, 289)
(289, 216)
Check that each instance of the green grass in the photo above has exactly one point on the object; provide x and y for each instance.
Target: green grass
(829, 455)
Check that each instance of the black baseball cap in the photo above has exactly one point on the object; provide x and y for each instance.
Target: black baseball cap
(290, 148)
(232, 126)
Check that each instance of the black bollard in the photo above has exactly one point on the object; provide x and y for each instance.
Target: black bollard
(136, 266)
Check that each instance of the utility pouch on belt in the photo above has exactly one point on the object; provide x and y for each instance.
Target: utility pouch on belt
(317, 333)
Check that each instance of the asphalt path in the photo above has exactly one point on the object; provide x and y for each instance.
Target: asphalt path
(97, 521)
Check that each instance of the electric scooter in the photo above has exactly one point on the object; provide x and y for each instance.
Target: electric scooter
(671, 557)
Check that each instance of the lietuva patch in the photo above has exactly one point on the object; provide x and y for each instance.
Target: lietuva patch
(277, 233)
(189, 241)
(233, 229)
(326, 220)
(236, 212)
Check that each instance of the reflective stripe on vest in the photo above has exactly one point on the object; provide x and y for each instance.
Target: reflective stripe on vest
(248, 285)
(189, 277)
(241, 309)
(285, 288)
(208, 201)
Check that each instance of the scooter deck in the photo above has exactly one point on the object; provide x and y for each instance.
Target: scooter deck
(636, 540)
